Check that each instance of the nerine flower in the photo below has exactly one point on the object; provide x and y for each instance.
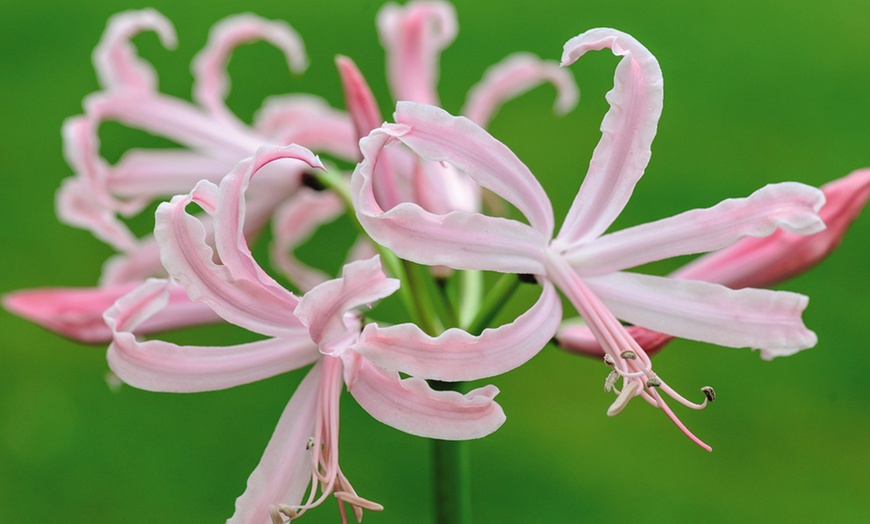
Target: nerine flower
(213, 140)
(323, 327)
(752, 261)
(586, 264)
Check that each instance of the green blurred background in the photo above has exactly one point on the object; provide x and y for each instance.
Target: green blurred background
(756, 92)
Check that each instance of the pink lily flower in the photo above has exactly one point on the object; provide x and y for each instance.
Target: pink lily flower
(583, 262)
(322, 328)
(753, 262)
(214, 140)
(414, 35)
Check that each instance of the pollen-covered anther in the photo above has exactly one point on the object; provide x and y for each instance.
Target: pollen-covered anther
(628, 355)
(709, 392)
(609, 360)
(627, 393)
(610, 381)
(309, 444)
(289, 511)
(275, 515)
(654, 382)
(356, 500)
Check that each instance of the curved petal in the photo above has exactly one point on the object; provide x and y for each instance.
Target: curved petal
(437, 136)
(211, 82)
(410, 405)
(788, 206)
(580, 339)
(457, 355)
(358, 97)
(77, 313)
(188, 258)
(294, 223)
(162, 366)
(322, 309)
(145, 175)
(115, 59)
(309, 121)
(76, 205)
(460, 240)
(284, 471)
(627, 132)
(414, 36)
(763, 262)
(513, 76)
(755, 318)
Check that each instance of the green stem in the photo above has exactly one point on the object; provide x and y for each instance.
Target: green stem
(451, 460)
(495, 300)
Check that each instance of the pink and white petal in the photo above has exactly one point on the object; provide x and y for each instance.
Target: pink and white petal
(115, 59)
(459, 240)
(410, 405)
(211, 82)
(763, 262)
(163, 366)
(77, 313)
(458, 355)
(309, 121)
(441, 188)
(628, 129)
(294, 223)
(285, 470)
(189, 259)
(789, 206)
(176, 120)
(513, 76)
(580, 339)
(413, 37)
(437, 136)
(76, 206)
(358, 97)
(230, 211)
(322, 309)
(145, 175)
(754, 318)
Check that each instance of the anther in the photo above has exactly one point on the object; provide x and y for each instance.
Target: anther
(622, 399)
(609, 360)
(610, 381)
(709, 392)
(275, 515)
(287, 510)
(309, 444)
(654, 382)
(628, 355)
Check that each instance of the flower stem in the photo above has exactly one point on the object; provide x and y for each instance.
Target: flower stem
(451, 460)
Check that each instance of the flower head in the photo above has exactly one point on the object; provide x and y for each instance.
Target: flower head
(586, 264)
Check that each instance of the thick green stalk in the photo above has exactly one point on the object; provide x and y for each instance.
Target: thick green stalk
(451, 461)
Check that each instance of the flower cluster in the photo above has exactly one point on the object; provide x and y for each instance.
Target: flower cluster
(420, 193)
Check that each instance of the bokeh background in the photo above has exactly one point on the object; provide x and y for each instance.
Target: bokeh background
(756, 92)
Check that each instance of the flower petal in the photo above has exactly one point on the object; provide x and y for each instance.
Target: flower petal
(458, 239)
(77, 313)
(627, 131)
(358, 97)
(788, 206)
(763, 262)
(513, 76)
(322, 309)
(284, 471)
(294, 223)
(457, 355)
(162, 366)
(414, 36)
(309, 121)
(115, 59)
(410, 405)
(755, 318)
(212, 84)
